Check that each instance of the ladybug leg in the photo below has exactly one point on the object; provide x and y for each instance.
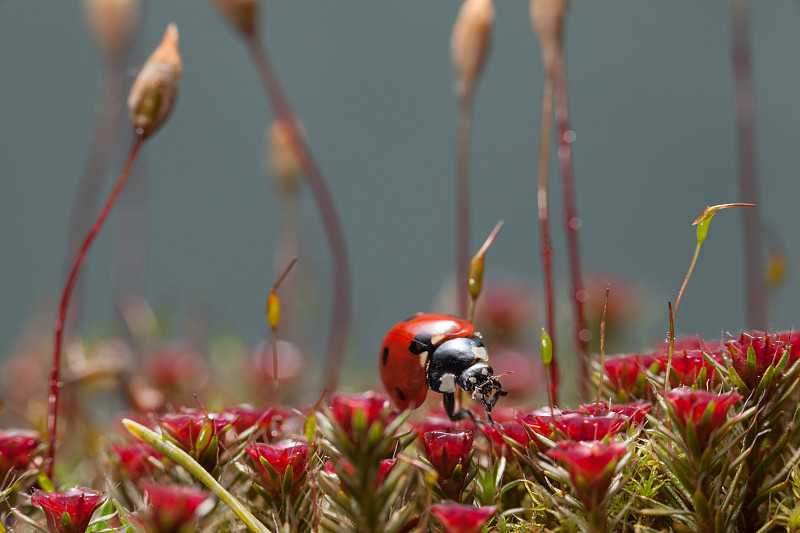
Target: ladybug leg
(450, 408)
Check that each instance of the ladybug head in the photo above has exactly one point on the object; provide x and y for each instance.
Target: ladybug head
(479, 378)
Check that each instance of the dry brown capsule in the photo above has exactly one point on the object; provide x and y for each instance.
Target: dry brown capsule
(153, 94)
(113, 22)
(470, 40)
(241, 13)
(547, 17)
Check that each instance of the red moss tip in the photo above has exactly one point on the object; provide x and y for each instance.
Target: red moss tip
(134, 461)
(450, 453)
(707, 411)
(198, 433)
(17, 448)
(688, 365)
(623, 372)
(69, 511)
(173, 508)
(273, 461)
(767, 349)
(591, 467)
(371, 406)
(460, 518)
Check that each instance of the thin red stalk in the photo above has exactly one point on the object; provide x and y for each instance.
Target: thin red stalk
(58, 332)
(748, 176)
(545, 246)
(106, 120)
(463, 198)
(572, 223)
(340, 321)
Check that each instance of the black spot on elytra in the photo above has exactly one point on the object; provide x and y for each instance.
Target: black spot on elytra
(385, 355)
(400, 394)
(421, 343)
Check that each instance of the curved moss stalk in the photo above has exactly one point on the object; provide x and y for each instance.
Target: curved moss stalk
(180, 457)
(58, 334)
(340, 321)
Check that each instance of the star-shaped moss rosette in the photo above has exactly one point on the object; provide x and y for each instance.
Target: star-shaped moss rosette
(591, 467)
(173, 508)
(17, 448)
(461, 518)
(699, 413)
(280, 468)
(700, 449)
(355, 414)
(624, 375)
(756, 356)
(692, 367)
(135, 461)
(198, 434)
(69, 511)
(361, 431)
(450, 455)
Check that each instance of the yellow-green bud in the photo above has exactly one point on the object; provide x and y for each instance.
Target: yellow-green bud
(273, 310)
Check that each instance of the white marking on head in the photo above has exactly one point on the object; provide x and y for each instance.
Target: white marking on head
(423, 360)
(447, 383)
(473, 380)
(436, 339)
(479, 352)
(484, 371)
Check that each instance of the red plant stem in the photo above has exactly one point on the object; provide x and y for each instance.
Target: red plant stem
(463, 197)
(58, 332)
(572, 223)
(748, 177)
(545, 246)
(106, 121)
(340, 321)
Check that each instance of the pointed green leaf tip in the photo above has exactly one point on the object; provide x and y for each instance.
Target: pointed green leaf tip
(702, 222)
(547, 348)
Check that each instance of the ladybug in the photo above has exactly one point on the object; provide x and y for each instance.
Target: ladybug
(440, 353)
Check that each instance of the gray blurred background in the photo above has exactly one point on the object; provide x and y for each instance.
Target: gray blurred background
(652, 107)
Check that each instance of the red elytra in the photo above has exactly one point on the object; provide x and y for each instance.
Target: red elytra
(403, 365)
